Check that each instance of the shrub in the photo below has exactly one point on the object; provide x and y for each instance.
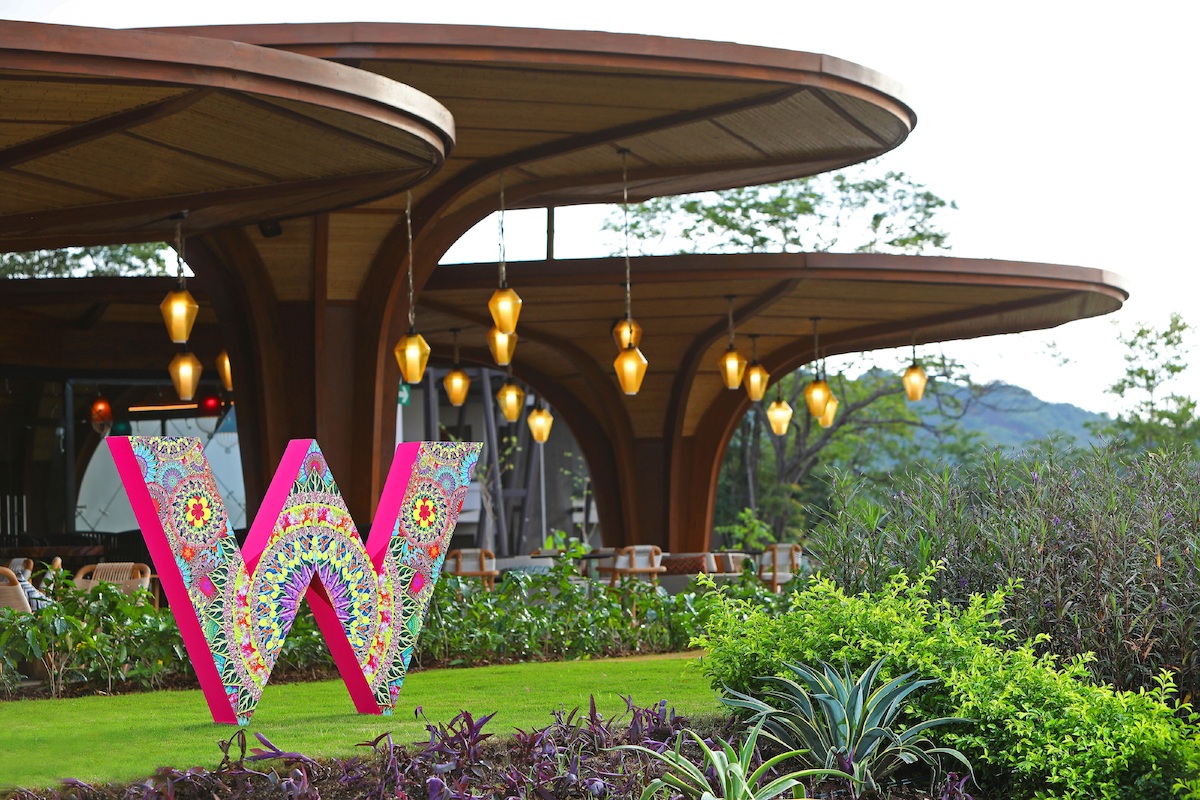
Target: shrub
(1041, 727)
(1106, 544)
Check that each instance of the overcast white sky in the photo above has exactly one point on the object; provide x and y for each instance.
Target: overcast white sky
(1065, 131)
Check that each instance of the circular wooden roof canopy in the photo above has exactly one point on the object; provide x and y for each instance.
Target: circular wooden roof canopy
(104, 135)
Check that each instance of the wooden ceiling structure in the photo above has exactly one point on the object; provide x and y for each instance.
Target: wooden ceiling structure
(310, 313)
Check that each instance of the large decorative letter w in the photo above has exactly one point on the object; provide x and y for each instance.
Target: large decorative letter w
(234, 607)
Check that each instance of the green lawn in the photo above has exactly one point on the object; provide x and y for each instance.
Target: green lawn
(99, 739)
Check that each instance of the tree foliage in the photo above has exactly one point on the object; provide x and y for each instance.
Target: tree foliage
(133, 260)
(862, 213)
(1154, 359)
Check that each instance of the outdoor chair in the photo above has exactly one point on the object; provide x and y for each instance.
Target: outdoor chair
(778, 563)
(642, 561)
(12, 594)
(473, 562)
(126, 574)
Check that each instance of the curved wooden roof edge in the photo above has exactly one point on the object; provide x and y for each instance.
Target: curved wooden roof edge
(691, 267)
(384, 40)
(178, 58)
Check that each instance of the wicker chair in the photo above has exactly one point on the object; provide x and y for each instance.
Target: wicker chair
(12, 594)
(126, 574)
(636, 561)
(778, 563)
(473, 562)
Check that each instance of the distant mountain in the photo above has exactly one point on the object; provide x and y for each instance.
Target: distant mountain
(1009, 416)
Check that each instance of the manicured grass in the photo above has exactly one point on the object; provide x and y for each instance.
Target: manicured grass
(101, 739)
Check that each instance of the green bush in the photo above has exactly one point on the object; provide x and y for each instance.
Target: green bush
(1041, 727)
(1106, 544)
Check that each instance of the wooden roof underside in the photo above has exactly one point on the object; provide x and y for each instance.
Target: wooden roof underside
(104, 135)
(864, 301)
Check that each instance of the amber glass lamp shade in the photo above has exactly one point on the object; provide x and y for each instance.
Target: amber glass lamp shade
(185, 372)
(456, 382)
(627, 331)
(412, 354)
(179, 311)
(505, 306)
(512, 399)
(102, 416)
(779, 414)
(831, 408)
(817, 395)
(225, 370)
(502, 345)
(631, 368)
(914, 382)
(755, 381)
(732, 365)
(540, 420)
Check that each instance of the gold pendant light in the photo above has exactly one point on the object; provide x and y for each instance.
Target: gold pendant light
(179, 308)
(457, 382)
(914, 379)
(185, 372)
(511, 398)
(629, 364)
(731, 364)
(502, 345)
(779, 415)
(830, 412)
(817, 393)
(225, 370)
(412, 351)
(505, 304)
(756, 377)
(540, 420)
(627, 331)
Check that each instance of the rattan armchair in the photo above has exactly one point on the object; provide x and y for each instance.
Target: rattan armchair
(473, 562)
(12, 594)
(126, 574)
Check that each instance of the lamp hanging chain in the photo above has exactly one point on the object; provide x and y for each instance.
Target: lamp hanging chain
(454, 331)
(754, 347)
(179, 255)
(816, 347)
(503, 265)
(730, 298)
(412, 311)
(625, 206)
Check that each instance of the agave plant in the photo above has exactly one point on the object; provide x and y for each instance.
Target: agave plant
(830, 720)
(732, 769)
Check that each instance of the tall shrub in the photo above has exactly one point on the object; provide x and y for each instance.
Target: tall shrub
(1105, 543)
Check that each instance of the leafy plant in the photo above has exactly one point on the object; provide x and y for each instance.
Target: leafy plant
(733, 774)
(1042, 726)
(836, 721)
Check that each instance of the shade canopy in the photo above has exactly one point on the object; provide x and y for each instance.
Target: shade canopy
(107, 134)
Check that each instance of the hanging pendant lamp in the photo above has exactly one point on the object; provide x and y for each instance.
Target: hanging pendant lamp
(629, 364)
(830, 412)
(731, 364)
(626, 331)
(502, 345)
(779, 415)
(102, 415)
(505, 304)
(179, 308)
(457, 382)
(225, 370)
(817, 393)
(185, 372)
(757, 377)
(540, 420)
(412, 351)
(914, 379)
(511, 398)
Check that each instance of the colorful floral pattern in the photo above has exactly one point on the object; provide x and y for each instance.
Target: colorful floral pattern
(244, 615)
